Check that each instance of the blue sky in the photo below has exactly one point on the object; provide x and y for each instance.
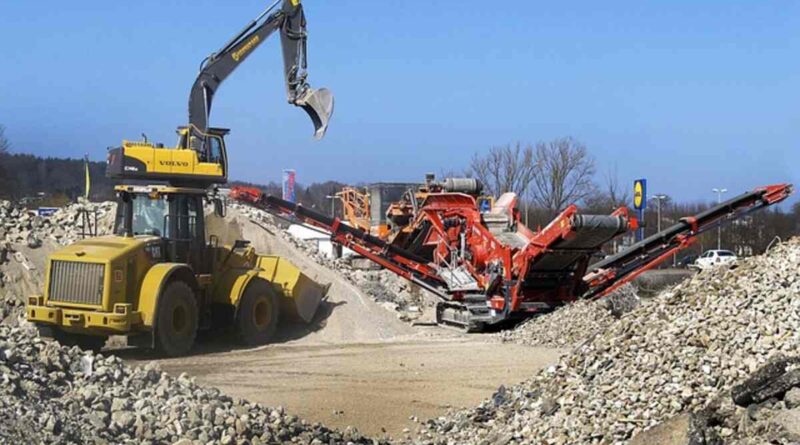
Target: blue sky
(691, 95)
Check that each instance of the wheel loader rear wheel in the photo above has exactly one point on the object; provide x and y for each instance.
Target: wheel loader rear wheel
(176, 321)
(258, 315)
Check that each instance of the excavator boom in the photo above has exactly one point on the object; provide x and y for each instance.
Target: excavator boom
(200, 157)
(291, 22)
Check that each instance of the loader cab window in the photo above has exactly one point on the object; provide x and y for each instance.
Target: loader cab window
(140, 215)
(149, 215)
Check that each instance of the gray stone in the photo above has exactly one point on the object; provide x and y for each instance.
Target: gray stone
(118, 404)
(788, 424)
(792, 398)
(124, 419)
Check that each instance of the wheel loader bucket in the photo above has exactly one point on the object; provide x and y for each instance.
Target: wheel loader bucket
(319, 106)
(301, 294)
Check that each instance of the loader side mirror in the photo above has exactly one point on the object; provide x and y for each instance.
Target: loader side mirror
(219, 207)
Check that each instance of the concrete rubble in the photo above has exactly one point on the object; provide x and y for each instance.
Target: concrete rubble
(19, 225)
(675, 355)
(574, 323)
(57, 395)
(763, 408)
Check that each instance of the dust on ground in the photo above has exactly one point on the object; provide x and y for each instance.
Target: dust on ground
(376, 387)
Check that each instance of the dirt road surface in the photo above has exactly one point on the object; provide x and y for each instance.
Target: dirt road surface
(375, 387)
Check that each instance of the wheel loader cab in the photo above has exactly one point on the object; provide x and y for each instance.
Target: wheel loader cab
(173, 214)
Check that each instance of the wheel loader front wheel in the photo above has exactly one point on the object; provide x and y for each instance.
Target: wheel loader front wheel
(258, 315)
(176, 322)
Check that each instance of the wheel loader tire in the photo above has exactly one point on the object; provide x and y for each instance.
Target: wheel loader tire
(176, 320)
(258, 315)
(92, 343)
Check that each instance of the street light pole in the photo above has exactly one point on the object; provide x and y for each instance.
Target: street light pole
(333, 205)
(719, 192)
(659, 199)
(526, 213)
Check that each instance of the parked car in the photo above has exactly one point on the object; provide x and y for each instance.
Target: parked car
(715, 258)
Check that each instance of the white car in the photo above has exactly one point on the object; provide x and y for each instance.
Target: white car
(715, 258)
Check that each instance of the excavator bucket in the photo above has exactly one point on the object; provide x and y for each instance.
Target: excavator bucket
(301, 294)
(319, 106)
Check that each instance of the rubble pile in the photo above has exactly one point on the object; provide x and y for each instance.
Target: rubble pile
(387, 288)
(564, 327)
(574, 323)
(21, 226)
(383, 286)
(675, 355)
(765, 408)
(27, 238)
(54, 394)
(20, 277)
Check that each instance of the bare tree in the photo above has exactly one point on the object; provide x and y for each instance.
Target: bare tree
(504, 169)
(618, 194)
(5, 144)
(5, 180)
(450, 173)
(564, 174)
(610, 195)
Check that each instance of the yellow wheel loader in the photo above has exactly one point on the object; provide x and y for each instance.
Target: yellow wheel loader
(159, 279)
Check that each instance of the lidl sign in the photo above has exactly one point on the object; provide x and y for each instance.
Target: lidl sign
(640, 194)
